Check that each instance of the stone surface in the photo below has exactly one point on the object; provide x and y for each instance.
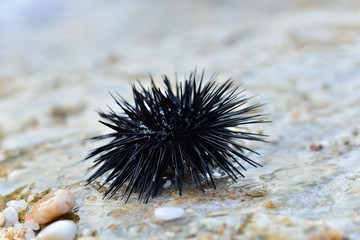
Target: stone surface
(59, 60)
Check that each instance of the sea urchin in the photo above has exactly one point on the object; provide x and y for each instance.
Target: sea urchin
(188, 130)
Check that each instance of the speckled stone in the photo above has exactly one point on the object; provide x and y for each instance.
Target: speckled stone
(301, 56)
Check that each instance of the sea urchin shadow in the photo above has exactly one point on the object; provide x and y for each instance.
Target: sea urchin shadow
(190, 128)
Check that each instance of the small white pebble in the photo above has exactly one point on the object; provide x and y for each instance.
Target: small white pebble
(189, 210)
(167, 184)
(32, 224)
(169, 213)
(19, 205)
(18, 227)
(169, 234)
(59, 230)
(86, 232)
(11, 216)
(2, 219)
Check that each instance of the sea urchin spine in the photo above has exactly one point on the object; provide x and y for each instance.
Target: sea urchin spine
(188, 131)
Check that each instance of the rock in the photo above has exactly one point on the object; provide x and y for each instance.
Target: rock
(167, 184)
(86, 232)
(2, 219)
(53, 205)
(59, 230)
(28, 218)
(32, 225)
(169, 213)
(19, 205)
(29, 234)
(11, 216)
(169, 235)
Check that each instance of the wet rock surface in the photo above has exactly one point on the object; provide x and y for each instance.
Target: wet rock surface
(58, 61)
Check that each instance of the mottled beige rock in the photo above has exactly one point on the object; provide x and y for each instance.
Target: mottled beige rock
(301, 56)
(53, 205)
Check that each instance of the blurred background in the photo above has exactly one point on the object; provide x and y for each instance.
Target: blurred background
(70, 53)
(60, 59)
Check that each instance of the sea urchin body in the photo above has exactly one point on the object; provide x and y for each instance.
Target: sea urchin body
(189, 129)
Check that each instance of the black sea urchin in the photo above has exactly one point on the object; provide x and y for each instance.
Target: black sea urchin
(189, 130)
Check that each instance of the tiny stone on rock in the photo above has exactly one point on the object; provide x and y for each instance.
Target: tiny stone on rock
(167, 184)
(2, 219)
(32, 225)
(11, 216)
(316, 147)
(53, 205)
(169, 234)
(169, 213)
(19, 205)
(29, 235)
(86, 232)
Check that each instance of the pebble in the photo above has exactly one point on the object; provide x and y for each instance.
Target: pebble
(28, 218)
(2, 219)
(59, 230)
(169, 213)
(86, 232)
(11, 216)
(169, 234)
(29, 235)
(53, 205)
(167, 184)
(19, 205)
(316, 147)
(32, 224)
